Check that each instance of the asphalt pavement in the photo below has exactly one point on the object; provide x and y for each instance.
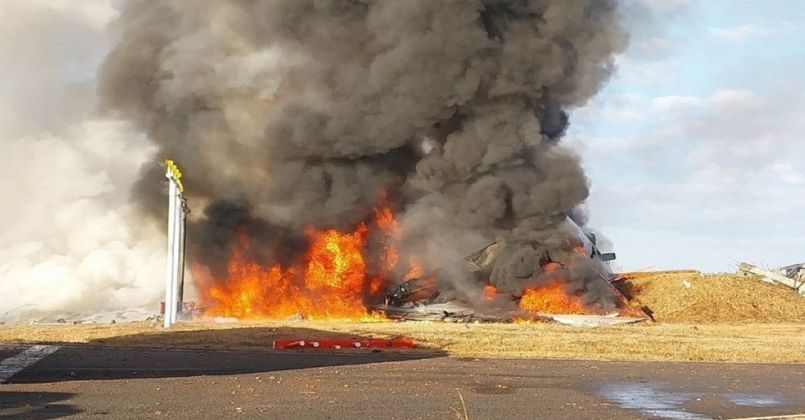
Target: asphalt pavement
(89, 381)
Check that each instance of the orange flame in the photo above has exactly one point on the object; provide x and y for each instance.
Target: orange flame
(553, 299)
(551, 267)
(331, 283)
(331, 286)
(415, 271)
(385, 220)
(490, 292)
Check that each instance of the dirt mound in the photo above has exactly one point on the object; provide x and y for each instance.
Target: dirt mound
(693, 297)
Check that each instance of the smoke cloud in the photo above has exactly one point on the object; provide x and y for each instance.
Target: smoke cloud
(71, 240)
(69, 244)
(287, 114)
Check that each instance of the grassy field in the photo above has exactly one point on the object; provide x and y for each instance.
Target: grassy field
(701, 317)
(767, 343)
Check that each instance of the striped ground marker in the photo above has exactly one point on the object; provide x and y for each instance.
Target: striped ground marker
(15, 364)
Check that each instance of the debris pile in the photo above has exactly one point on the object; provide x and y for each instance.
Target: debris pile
(32, 316)
(792, 276)
(428, 297)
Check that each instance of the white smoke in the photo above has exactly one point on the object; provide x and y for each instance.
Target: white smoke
(69, 239)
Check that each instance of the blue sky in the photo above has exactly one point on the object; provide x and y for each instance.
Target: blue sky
(696, 147)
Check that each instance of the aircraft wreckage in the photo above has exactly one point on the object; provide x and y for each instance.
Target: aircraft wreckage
(436, 296)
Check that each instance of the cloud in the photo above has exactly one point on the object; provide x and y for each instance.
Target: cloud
(655, 47)
(720, 101)
(709, 162)
(676, 103)
(615, 108)
(665, 6)
(738, 138)
(638, 71)
(725, 166)
(734, 100)
(789, 173)
(741, 33)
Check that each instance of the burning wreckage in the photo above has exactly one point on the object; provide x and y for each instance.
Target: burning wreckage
(433, 297)
(358, 275)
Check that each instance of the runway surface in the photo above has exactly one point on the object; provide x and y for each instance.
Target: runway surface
(85, 381)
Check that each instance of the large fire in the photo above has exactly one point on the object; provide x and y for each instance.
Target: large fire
(337, 277)
(331, 284)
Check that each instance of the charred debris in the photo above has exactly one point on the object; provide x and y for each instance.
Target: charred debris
(792, 276)
(432, 296)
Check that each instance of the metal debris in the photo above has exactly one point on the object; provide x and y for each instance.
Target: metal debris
(792, 276)
(453, 311)
(592, 320)
(458, 312)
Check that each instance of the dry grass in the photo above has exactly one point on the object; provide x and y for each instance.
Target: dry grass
(772, 343)
(693, 297)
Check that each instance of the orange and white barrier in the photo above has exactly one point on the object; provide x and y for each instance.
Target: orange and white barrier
(341, 343)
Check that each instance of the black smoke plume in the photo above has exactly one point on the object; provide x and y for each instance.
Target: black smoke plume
(290, 113)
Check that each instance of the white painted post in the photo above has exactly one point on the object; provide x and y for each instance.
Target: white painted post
(177, 210)
(177, 255)
(170, 308)
(180, 239)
